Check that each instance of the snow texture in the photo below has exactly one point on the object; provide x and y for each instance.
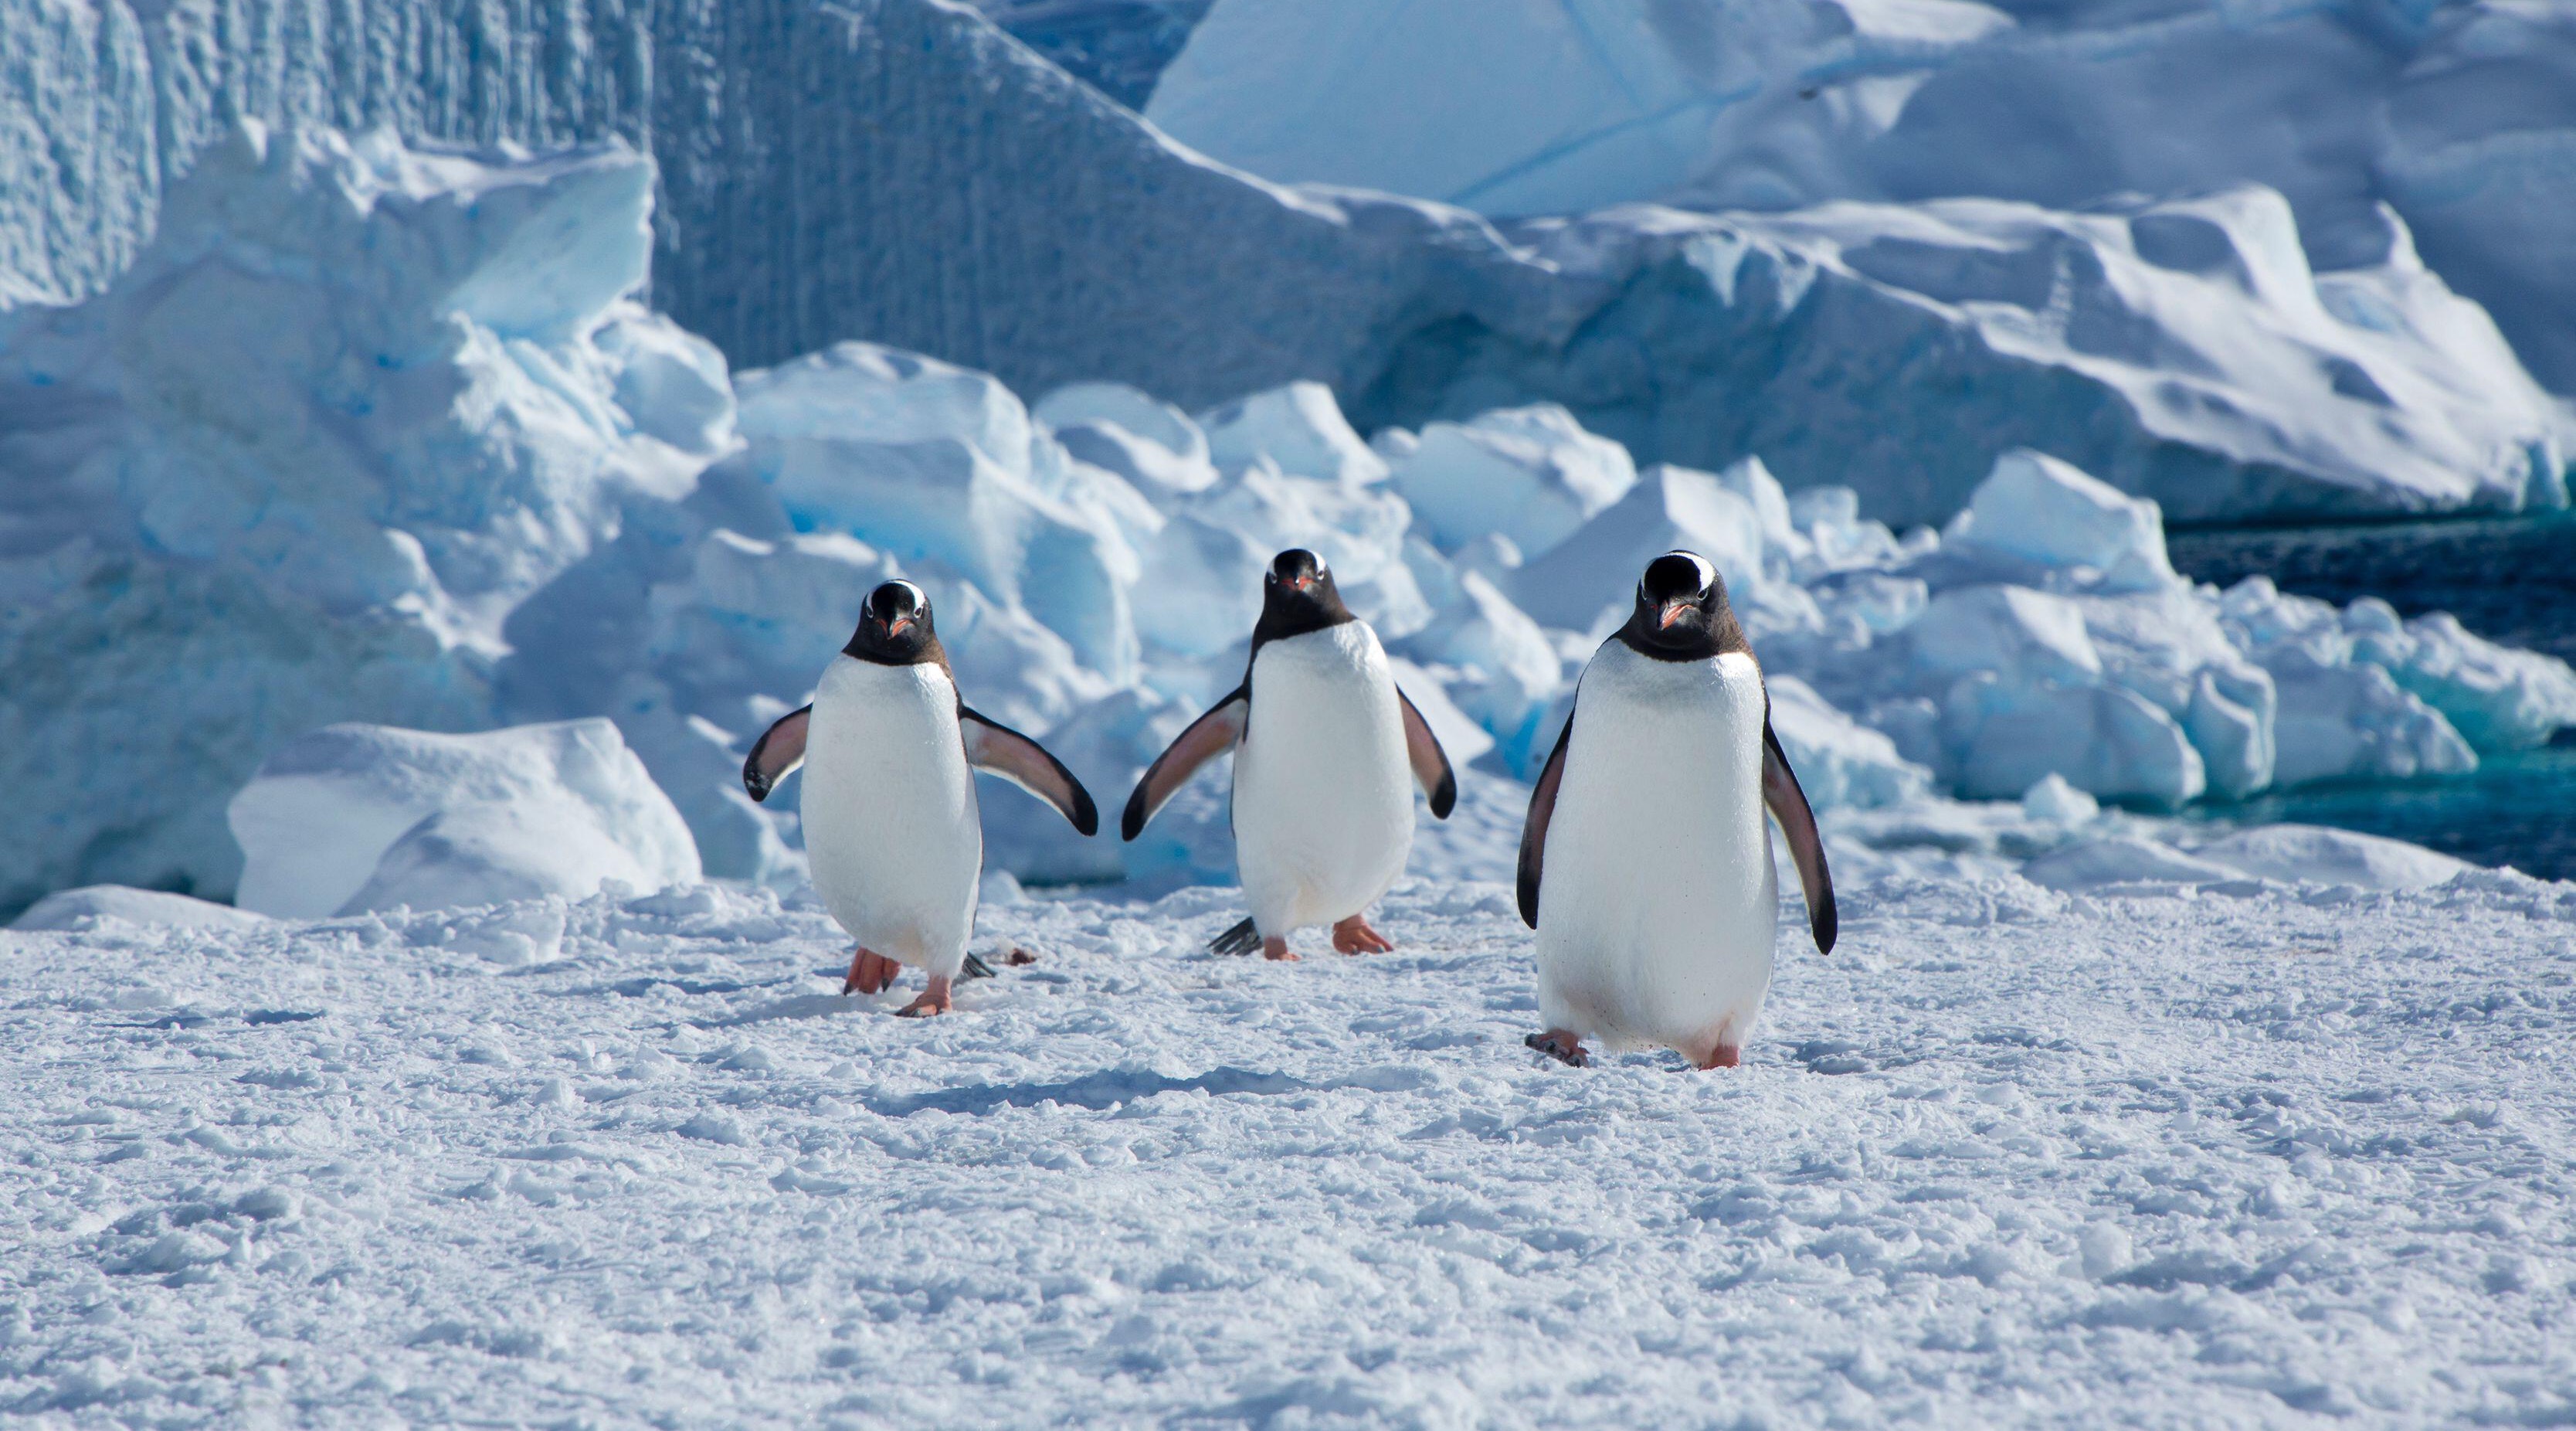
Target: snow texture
(2248, 1158)
(2458, 116)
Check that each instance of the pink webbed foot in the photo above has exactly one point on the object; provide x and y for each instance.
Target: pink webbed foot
(1725, 1055)
(1560, 1045)
(1353, 936)
(870, 973)
(1275, 946)
(932, 1003)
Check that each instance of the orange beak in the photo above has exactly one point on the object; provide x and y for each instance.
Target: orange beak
(1672, 612)
(898, 626)
(1303, 583)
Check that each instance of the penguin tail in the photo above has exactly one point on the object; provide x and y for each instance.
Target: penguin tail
(1241, 939)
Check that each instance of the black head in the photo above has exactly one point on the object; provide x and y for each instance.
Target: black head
(1681, 612)
(1297, 596)
(894, 627)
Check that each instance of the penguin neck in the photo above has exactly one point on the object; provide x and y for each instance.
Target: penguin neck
(927, 653)
(1722, 636)
(1281, 619)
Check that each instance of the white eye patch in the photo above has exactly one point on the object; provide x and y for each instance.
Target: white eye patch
(1707, 573)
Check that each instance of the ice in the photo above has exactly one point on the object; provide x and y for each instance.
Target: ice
(934, 464)
(351, 407)
(2050, 798)
(2455, 115)
(1839, 762)
(1882, 356)
(2037, 509)
(1508, 670)
(1671, 508)
(1299, 428)
(356, 817)
(1529, 475)
(86, 907)
(1148, 443)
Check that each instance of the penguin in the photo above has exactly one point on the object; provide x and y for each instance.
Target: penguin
(1645, 865)
(1326, 750)
(893, 835)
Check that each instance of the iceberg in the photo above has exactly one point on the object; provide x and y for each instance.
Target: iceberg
(351, 407)
(1529, 475)
(2456, 117)
(360, 817)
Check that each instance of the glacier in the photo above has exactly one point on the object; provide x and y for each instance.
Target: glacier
(2459, 116)
(1413, 312)
(491, 490)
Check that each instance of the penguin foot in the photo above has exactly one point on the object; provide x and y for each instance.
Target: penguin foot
(1725, 1055)
(870, 973)
(1276, 947)
(932, 1003)
(1353, 936)
(1564, 1047)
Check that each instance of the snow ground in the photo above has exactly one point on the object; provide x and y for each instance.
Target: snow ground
(2007, 1157)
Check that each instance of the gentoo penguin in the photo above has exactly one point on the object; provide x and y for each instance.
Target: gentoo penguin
(1326, 752)
(1646, 837)
(892, 832)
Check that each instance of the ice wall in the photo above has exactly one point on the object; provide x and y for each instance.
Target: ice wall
(350, 407)
(962, 198)
(2461, 115)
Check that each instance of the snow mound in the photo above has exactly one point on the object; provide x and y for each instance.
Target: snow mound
(2123, 859)
(83, 908)
(360, 817)
(351, 407)
(2316, 855)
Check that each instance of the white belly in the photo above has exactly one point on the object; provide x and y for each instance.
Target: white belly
(1658, 901)
(892, 832)
(1323, 796)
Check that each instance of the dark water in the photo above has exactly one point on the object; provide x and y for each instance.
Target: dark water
(2508, 579)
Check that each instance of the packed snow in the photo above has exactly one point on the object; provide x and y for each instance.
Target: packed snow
(2250, 1156)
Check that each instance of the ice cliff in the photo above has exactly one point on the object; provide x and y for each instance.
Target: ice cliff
(2191, 363)
(2461, 116)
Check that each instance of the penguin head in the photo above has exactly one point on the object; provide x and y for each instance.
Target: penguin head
(894, 626)
(1681, 612)
(1297, 593)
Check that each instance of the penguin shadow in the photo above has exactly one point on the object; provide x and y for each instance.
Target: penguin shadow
(1095, 1091)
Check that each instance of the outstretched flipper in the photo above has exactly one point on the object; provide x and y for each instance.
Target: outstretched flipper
(1534, 831)
(780, 749)
(1806, 847)
(1430, 763)
(999, 750)
(1208, 737)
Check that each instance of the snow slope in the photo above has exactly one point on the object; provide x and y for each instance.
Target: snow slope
(2460, 115)
(2006, 1158)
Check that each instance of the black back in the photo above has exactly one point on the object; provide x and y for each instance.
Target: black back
(1297, 596)
(1681, 612)
(895, 628)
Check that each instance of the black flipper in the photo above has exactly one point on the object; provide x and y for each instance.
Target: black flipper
(1534, 830)
(780, 749)
(999, 750)
(1806, 845)
(1208, 737)
(1430, 763)
(1243, 938)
